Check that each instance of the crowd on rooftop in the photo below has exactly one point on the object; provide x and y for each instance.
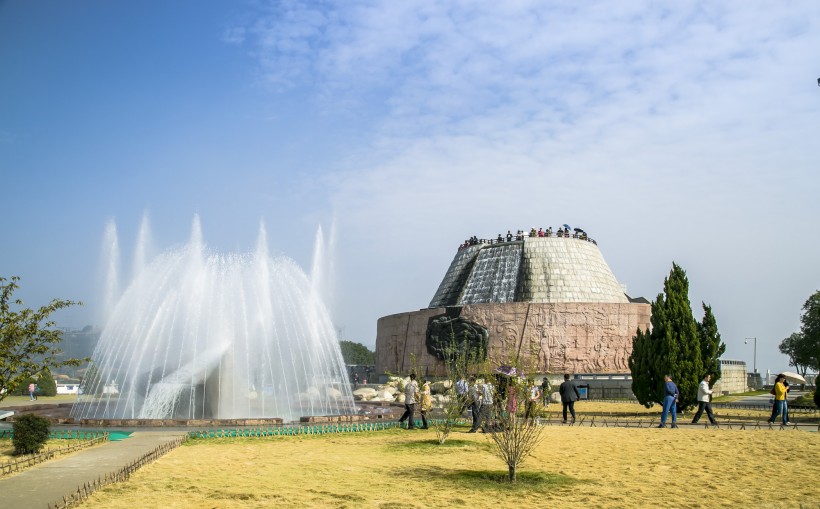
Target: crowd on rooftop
(563, 232)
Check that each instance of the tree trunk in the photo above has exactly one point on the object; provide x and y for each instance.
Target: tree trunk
(512, 474)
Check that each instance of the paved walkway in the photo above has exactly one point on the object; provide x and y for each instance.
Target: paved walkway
(48, 482)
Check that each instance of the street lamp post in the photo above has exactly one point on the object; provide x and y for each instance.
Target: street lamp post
(754, 361)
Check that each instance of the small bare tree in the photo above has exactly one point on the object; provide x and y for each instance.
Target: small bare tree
(514, 436)
(458, 362)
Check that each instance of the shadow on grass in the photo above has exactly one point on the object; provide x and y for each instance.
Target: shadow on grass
(432, 444)
(494, 480)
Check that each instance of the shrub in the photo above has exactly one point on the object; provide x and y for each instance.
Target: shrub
(30, 433)
(817, 397)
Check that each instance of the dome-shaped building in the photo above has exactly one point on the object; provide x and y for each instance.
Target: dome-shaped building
(550, 304)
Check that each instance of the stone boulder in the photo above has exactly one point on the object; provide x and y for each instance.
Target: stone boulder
(365, 391)
(440, 399)
(384, 395)
(397, 382)
(441, 387)
(364, 394)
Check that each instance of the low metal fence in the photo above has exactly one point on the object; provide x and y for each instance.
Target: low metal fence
(23, 462)
(123, 474)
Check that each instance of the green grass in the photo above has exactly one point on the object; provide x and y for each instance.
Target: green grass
(735, 397)
(24, 401)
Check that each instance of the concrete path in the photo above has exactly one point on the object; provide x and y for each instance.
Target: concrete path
(48, 482)
(762, 399)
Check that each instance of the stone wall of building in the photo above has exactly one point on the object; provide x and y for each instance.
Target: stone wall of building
(547, 337)
(559, 269)
(732, 377)
(552, 269)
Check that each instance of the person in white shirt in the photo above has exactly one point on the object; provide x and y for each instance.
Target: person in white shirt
(485, 392)
(410, 392)
(704, 398)
(462, 393)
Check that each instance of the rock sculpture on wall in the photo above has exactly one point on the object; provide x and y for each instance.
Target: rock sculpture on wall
(443, 331)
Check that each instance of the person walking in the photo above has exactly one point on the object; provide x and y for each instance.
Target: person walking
(569, 395)
(704, 400)
(534, 394)
(546, 389)
(32, 388)
(786, 401)
(426, 403)
(779, 391)
(670, 401)
(474, 392)
(512, 395)
(487, 400)
(410, 391)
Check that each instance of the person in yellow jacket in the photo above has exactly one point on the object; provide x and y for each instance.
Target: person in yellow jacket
(779, 406)
(426, 402)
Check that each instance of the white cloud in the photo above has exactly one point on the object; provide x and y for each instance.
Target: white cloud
(673, 131)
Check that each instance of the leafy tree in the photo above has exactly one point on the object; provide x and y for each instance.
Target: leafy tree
(356, 353)
(810, 329)
(28, 339)
(671, 346)
(711, 347)
(798, 349)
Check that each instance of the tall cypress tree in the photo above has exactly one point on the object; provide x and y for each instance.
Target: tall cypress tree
(670, 347)
(711, 347)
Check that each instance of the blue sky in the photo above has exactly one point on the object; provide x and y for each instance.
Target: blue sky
(684, 132)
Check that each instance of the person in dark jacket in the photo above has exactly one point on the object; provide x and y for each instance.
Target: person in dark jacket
(569, 395)
(670, 401)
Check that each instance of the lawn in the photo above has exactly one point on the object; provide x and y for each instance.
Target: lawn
(9, 401)
(52, 444)
(572, 467)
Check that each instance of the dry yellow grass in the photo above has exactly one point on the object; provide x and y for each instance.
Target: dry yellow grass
(572, 467)
(7, 447)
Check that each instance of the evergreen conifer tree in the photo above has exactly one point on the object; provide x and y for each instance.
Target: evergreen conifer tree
(711, 347)
(46, 383)
(672, 346)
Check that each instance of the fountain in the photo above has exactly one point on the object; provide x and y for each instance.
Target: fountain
(202, 335)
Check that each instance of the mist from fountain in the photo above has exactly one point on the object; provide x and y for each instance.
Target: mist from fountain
(202, 335)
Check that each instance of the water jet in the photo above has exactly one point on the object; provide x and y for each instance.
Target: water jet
(203, 335)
